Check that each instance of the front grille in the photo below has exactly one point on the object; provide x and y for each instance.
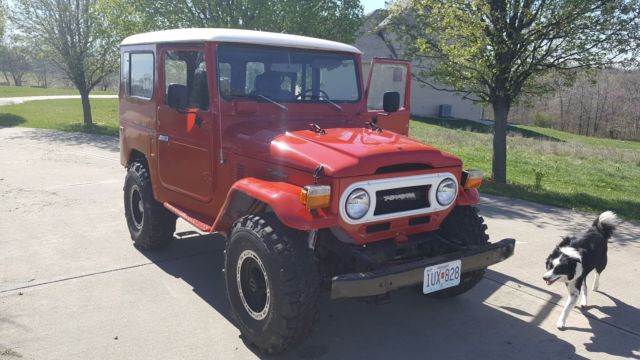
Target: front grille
(401, 199)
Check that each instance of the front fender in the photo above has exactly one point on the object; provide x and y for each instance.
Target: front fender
(468, 197)
(283, 198)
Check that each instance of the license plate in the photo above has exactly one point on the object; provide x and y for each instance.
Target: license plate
(441, 276)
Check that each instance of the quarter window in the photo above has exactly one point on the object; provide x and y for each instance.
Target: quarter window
(124, 72)
(141, 77)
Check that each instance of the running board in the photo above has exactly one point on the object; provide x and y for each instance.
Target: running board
(197, 220)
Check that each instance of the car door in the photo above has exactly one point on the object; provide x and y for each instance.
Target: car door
(185, 136)
(389, 75)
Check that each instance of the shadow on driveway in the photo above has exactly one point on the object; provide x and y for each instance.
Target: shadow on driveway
(104, 142)
(410, 326)
(618, 313)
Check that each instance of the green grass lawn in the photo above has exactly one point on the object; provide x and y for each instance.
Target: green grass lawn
(578, 172)
(15, 91)
(587, 140)
(62, 115)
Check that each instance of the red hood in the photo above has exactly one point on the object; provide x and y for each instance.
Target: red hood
(342, 151)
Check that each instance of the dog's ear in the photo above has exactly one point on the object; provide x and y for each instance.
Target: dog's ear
(566, 240)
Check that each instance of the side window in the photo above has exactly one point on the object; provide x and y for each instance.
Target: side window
(124, 72)
(253, 70)
(188, 68)
(386, 77)
(225, 78)
(141, 75)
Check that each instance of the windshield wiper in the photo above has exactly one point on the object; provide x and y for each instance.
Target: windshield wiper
(281, 106)
(332, 103)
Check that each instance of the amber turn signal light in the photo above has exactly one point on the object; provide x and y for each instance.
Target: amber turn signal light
(472, 179)
(315, 196)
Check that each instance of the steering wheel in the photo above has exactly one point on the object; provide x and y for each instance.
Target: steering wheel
(303, 95)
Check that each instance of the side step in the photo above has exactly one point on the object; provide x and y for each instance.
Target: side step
(197, 220)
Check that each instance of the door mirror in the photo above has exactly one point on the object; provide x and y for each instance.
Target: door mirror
(178, 96)
(391, 101)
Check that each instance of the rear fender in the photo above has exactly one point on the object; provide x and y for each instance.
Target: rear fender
(247, 196)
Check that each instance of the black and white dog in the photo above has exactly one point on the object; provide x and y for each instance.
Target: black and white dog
(574, 258)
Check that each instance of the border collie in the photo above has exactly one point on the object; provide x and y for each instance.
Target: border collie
(574, 258)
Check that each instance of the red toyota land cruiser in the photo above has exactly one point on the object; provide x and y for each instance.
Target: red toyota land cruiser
(274, 142)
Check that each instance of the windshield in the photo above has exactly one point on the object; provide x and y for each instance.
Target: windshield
(287, 75)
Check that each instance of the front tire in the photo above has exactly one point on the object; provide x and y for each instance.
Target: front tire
(463, 227)
(272, 283)
(151, 225)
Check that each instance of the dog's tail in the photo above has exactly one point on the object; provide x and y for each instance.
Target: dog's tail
(606, 223)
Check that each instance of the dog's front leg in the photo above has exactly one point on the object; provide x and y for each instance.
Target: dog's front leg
(571, 301)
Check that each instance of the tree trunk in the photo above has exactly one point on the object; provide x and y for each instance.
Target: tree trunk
(86, 107)
(17, 79)
(499, 167)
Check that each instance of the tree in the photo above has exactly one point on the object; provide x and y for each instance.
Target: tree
(2, 17)
(498, 49)
(74, 35)
(14, 61)
(330, 19)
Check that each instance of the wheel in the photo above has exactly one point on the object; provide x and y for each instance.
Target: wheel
(465, 227)
(272, 283)
(151, 225)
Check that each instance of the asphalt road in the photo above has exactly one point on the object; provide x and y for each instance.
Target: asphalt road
(72, 286)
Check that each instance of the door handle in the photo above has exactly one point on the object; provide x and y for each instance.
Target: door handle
(163, 138)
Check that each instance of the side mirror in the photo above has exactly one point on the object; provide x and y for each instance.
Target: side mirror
(391, 101)
(178, 96)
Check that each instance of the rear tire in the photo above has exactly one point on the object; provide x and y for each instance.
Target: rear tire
(272, 283)
(464, 227)
(151, 225)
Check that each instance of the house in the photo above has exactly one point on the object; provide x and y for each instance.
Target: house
(425, 100)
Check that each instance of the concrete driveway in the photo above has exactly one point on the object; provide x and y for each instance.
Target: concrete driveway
(72, 286)
(22, 99)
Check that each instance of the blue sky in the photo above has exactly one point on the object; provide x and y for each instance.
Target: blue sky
(370, 5)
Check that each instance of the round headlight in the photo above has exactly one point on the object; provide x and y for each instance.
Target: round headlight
(446, 192)
(357, 204)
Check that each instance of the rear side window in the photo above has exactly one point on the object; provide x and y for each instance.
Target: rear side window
(142, 75)
(124, 72)
(138, 74)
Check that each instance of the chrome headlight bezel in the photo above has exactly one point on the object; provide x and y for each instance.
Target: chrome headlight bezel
(364, 198)
(446, 192)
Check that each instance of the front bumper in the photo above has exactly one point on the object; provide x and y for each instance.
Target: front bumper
(394, 277)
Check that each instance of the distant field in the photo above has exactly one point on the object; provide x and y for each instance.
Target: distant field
(578, 172)
(15, 91)
(62, 115)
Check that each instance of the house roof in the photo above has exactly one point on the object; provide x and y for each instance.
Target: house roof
(237, 36)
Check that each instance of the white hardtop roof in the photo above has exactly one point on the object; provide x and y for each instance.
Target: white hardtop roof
(237, 36)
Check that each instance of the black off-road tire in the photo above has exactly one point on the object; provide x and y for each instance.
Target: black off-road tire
(151, 225)
(464, 227)
(283, 318)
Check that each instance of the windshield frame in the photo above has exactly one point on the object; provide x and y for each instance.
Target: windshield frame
(352, 56)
